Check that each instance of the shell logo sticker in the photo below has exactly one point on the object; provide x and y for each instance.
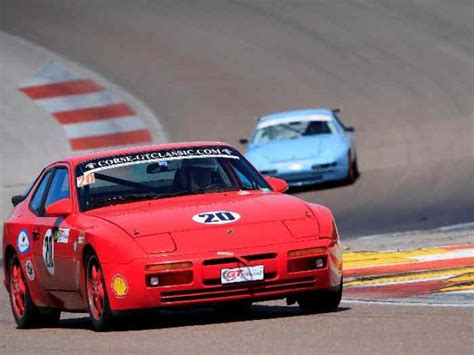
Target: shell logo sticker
(119, 286)
(216, 217)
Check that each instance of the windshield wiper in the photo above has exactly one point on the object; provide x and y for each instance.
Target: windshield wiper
(202, 191)
(117, 199)
(248, 188)
(215, 189)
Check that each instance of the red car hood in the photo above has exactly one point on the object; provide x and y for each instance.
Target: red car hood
(260, 222)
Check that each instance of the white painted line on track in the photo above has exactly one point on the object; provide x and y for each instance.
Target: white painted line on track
(76, 102)
(401, 282)
(456, 226)
(463, 292)
(110, 126)
(50, 73)
(409, 304)
(447, 228)
(455, 254)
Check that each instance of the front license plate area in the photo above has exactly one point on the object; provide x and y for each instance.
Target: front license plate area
(242, 274)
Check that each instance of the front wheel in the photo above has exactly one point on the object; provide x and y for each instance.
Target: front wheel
(320, 301)
(23, 309)
(97, 300)
(25, 313)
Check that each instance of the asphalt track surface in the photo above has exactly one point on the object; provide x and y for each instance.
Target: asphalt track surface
(270, 328)
(402, 70)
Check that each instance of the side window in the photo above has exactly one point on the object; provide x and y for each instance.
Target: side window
(59, 187)
(240, 171)
(37, 199)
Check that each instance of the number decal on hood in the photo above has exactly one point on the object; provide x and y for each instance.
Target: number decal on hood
(216, 217)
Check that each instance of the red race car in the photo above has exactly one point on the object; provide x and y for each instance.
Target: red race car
(158, 227)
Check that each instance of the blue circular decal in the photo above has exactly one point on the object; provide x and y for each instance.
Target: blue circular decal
(23, 241)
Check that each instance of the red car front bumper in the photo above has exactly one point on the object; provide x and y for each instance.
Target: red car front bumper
(204, 284)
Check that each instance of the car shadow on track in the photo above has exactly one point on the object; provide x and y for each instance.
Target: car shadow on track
(191, 317)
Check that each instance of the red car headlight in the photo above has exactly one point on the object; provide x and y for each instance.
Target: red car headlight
(166, 274)
(307, 259)
(303, 228)
(304, 252)
(334, 235)
(170, 278)
(169, 266)
(156, 243)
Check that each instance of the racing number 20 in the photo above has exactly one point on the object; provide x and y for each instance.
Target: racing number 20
(217, 217)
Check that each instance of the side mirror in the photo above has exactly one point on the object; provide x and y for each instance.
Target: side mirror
(17, 199)
(59, 208)
(243, 141)
(349, 129)
(278, 185)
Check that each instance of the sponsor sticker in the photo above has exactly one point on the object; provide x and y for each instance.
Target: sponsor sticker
(119, 286)
(81, 238)
(86, 179)
(23, 241)
(159, 156)
(61, 235)
(216, 217)
(242, 274)
(48, 251)
(30, 271)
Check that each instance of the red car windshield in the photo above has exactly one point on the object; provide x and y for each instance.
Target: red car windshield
(164, 173)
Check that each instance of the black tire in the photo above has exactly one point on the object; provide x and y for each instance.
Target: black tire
(320, 301)
(48, 318)
(30, 316)
(355, 167)
(234, 307)
(103, 320)
(353, 170)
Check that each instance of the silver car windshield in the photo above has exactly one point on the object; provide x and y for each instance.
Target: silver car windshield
(293, 130)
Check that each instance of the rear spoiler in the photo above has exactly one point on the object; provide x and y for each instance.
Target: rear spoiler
(334, 110)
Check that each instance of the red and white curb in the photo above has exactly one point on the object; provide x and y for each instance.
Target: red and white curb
(92, 116)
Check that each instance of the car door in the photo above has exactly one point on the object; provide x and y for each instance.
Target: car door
(54, 246)
(35, 206)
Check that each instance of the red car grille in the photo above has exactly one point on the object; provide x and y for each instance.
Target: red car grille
(254, 289)
(211, 268)
(255, 257)
(217, 281)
